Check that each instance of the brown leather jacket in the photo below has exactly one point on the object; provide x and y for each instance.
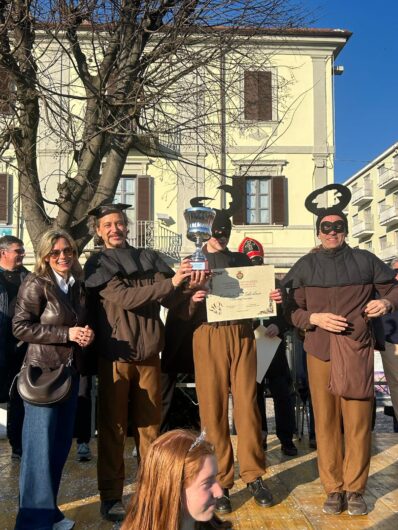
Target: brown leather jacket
(43, 316)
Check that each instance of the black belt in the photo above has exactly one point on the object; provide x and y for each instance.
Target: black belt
(226, 323)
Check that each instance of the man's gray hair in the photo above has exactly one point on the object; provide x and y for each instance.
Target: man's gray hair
(7, 241)
(394, 261)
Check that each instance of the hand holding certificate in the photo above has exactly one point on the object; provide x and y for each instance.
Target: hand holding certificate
(240, 292)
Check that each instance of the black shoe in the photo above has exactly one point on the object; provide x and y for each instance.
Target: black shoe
(264, 443)
(223, 504)
(218, 524)
(16, 453)
(113, 510)
(289, 449)
(261, 494)
(312, 443)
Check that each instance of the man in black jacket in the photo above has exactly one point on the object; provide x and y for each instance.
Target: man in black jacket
(12, 273)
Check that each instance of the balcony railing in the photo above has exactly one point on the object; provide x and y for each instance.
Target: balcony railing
(389, 215)
(388, 179)
(362, 195)
(386, 254)
(363, 228)
(152, 234)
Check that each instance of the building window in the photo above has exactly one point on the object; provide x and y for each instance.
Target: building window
(381, 169)
(258, 96)
(126, 194)
(383, 242)
(263, 200)
(382, 206)
(258, 203)
(368, 246)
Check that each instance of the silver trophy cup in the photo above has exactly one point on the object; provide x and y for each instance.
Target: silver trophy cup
(199, 220)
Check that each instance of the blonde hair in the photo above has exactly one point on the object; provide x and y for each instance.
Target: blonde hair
(45, 246)
(173, 461)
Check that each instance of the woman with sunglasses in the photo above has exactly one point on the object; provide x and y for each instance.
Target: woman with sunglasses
(49, 317)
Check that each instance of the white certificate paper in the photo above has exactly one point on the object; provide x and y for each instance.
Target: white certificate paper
(266, 349)
(238, 293)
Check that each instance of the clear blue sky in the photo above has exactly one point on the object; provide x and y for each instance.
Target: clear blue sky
(366, 95)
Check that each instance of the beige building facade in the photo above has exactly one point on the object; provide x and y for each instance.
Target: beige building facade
(272, 139)
(373, 211)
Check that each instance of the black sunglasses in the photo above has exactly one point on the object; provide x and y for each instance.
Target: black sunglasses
(336, 226)
(68, 252)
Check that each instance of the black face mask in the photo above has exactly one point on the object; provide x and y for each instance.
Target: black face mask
(218, 234)
(337, 226)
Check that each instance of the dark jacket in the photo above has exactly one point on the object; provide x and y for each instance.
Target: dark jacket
(43, 316)
(124, 308)
(8, 295)
(217, 260)
(342, 282)
(11, 355)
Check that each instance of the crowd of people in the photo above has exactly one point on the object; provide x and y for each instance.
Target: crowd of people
(62, 321)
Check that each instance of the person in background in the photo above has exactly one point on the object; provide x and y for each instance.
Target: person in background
(277, 377)
(83, 419)
(177, 486)
(12, 273)
(50, 317)
(390, 354)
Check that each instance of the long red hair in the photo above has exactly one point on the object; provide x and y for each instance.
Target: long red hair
(172, 462)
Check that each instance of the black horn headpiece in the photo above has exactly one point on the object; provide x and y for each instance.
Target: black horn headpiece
(222, 222)
(342, 193)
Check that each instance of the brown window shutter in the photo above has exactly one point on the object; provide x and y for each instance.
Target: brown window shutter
(239, 217)
(278, 191)
(265, 96)
(144, 199)
(258, 96)
(4, 218)
(251, 96)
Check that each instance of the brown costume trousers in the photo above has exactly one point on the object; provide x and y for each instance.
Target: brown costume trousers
(225, 359)
(343, 457)
(125, 390)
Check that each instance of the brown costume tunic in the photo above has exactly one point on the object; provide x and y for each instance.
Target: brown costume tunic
(342, 282)
(125, 288)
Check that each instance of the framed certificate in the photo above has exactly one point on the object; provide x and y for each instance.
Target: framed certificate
(241, 292)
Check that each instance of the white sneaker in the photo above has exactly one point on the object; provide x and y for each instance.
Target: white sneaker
(83, 452)
(64, 524)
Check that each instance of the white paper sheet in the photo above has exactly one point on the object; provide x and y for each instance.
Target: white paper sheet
(266, 349)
